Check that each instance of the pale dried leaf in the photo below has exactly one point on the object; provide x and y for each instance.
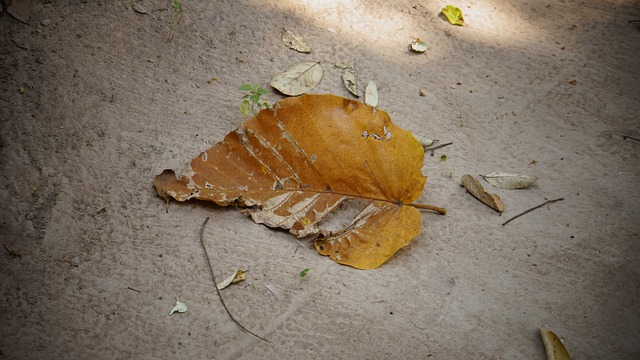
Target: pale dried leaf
(295, 41)
(371, 94)
(418, 46)
(299, 78)
(476, 189)
(553, 346)
(424, 141)
(350, 77)
(237, 276)
(509, 181)
(180, 307)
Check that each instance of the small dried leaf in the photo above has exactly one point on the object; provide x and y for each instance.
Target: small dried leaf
(179, 308)
(164, 182)
(418, 46)
(139, 8)
(474, 187)
(424, 141)
(350, 77)
(509, 181)
(299, 78)
(237, 276)
(295, 41)
(19, 9)
(371, 94)
(453, 14)
(553, 346)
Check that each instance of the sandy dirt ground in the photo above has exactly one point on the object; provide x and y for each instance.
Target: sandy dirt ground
(98, 98)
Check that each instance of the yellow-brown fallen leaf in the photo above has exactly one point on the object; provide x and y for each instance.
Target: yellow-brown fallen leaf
(237, 276)
(453, 15)
(476, 189)
(553, 346)
(297, 161)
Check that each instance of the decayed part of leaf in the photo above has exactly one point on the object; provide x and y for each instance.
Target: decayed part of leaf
(179, 308)
(295, 41)
(299, 78)
(237, 276)
(553, 346)
(418, 46)
(371, 94)
(350, 77)
(296, 162)
(509, 181)
(453, 14)
(476, 189)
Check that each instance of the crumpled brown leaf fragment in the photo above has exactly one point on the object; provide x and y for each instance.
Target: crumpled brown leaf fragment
(475, 188)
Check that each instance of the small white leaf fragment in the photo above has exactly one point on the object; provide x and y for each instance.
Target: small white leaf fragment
(179, 308)
(424, 141)
(418, 46)
(299, 78)
(553, 346)
(237, 276)
(350, 77)
(295, 41)
(509, 181)
(371, 94)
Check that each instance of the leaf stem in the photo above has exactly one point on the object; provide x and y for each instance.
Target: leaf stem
(530, 210)
(442, 211)
(215, 283)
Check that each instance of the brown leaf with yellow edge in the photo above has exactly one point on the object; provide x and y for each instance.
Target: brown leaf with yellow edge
(297, 161)
(553, 346)
(475, 188)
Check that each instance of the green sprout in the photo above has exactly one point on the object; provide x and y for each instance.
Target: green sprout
(251, 99)
(176, 6)
(304, 272)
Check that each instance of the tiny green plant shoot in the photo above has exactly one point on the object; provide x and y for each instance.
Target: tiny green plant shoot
(176, 6)
(304, 272)
(251, 101)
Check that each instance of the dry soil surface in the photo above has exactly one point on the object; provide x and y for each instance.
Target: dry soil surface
(100, 96)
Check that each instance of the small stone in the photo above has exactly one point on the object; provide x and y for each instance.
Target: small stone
(45, 22)
(30, 216)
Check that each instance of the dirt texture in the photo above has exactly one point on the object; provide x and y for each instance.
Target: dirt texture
(98, 97)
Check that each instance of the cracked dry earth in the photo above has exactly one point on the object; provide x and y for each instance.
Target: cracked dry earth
(98, 98)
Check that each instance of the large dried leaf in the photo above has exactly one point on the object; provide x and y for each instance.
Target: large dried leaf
(509, 181)
(299, 78)
(476, 189)
(296, 162)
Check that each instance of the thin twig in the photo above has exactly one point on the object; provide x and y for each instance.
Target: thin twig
(438, 147)
(530, 210)
(630, 137)
(132, 289)
(215, 282)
